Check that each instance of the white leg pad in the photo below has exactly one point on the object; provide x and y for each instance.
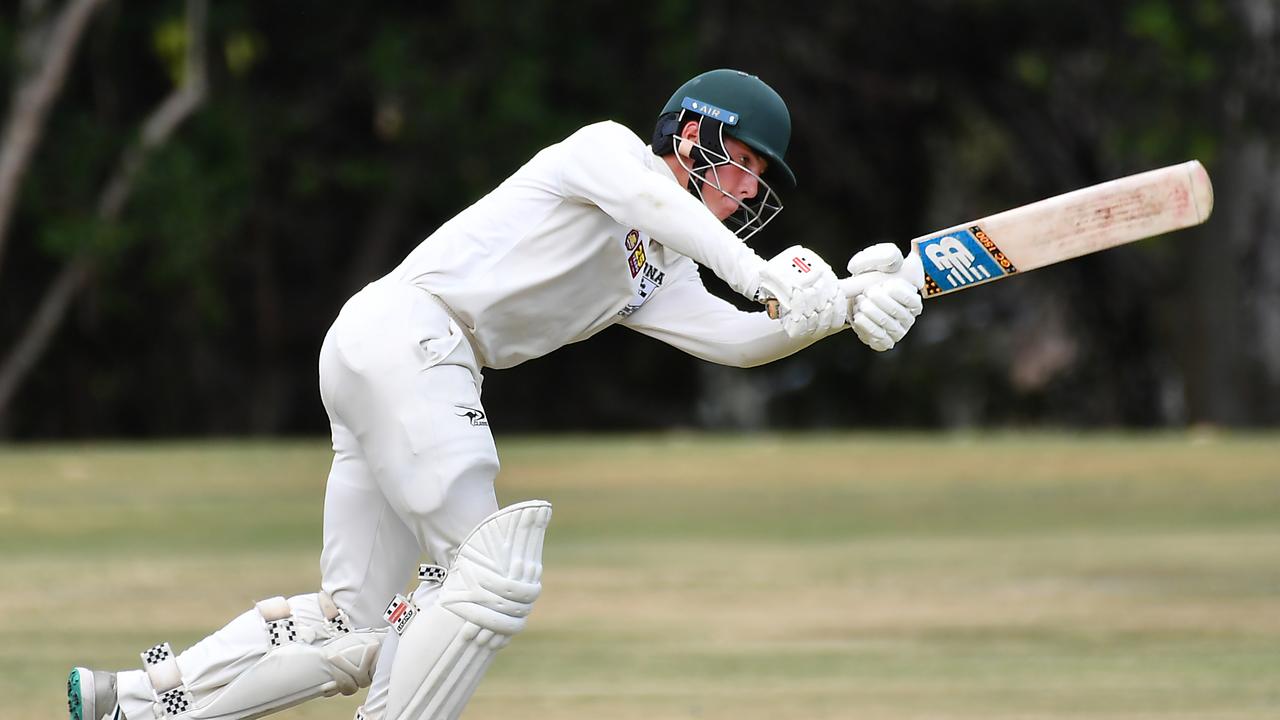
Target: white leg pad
(485, 600)
(293, 673)
(296, 661)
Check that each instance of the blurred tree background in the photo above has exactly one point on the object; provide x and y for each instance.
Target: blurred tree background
(203, 186)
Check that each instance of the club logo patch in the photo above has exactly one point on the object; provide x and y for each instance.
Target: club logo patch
(477, 417)
(646, 278)
(960, 259)
(636, 258)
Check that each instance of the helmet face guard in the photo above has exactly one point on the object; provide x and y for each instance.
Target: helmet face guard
(704, 159)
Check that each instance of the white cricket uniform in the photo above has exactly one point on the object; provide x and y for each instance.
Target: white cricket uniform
(592, 231)
(562, 249)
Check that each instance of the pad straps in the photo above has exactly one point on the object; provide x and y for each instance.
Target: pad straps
(172, 696)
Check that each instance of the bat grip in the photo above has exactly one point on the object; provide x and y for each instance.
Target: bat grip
(855, 285)
(852, 287)
(911, 270)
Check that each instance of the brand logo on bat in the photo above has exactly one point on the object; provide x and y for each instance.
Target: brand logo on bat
(962, 258)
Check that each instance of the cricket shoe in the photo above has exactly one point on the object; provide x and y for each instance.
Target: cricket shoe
(91, 695)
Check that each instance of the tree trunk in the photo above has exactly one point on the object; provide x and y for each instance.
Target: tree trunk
(155, 132)
(1234, 357)
(46, 49)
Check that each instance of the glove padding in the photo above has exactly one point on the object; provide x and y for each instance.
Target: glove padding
(810, 301)
(882, 257)
(884, 312)
(887, 258)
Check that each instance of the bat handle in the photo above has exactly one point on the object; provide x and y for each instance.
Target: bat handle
(911, 270)
(852, 287)
(857, 284)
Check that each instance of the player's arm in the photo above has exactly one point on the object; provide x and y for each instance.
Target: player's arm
(605, 164)
(685, 315)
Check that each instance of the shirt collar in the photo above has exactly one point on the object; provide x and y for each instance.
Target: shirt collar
(657, 163)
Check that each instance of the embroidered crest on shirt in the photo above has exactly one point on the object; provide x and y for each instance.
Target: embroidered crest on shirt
(636, 259)
(646, 278)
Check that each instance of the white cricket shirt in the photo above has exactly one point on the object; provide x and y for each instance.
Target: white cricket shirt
(594, 231)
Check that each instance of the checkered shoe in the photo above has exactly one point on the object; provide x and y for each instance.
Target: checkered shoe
(91, 695)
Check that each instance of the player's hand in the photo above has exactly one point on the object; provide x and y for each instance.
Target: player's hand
(881, 257)
(883, 313)
(887, 258)
(810, 301)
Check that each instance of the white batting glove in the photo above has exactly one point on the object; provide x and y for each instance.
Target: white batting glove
(884, 313)
(814, 313)
(810, 301)
(887, 258)
(881, 257)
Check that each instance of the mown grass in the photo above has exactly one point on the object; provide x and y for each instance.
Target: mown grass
(690, 576)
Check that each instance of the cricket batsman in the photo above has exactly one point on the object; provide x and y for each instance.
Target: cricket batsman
(596, 230)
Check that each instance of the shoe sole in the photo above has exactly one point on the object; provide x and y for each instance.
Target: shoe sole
(79, 687)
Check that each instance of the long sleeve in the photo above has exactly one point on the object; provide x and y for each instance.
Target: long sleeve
(607, 165)
(686, 316)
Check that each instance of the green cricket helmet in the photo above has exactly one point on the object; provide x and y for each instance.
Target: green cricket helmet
(750, 110)
(733, 103)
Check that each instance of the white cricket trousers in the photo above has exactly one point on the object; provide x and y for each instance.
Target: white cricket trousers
(413, 473)
(414, 462)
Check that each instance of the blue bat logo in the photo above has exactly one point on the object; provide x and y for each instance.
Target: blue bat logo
(958, 259)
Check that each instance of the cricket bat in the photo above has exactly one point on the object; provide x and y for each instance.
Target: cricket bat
(1048, 231)
(1055, 229)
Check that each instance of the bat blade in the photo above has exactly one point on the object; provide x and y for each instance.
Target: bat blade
(1063, 227)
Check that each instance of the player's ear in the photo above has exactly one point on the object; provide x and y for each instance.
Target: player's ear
(688, 138)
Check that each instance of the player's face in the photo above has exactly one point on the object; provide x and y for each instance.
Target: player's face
(739, 180)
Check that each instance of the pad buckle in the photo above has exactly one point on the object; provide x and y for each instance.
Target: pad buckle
(278, 618)
(172, 696)
(432, 573)
(334, 618)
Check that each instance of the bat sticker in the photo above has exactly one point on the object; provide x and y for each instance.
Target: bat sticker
(961, 258)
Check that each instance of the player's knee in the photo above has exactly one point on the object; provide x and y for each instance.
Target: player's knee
(463, 489)
(497, 575)
(484, 599)
(478, 471)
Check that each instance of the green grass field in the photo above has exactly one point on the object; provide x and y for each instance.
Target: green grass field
(836, 576)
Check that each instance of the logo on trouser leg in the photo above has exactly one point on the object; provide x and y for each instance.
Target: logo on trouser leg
(477, 417)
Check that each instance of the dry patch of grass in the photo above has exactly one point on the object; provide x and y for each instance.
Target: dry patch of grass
(808, 576)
